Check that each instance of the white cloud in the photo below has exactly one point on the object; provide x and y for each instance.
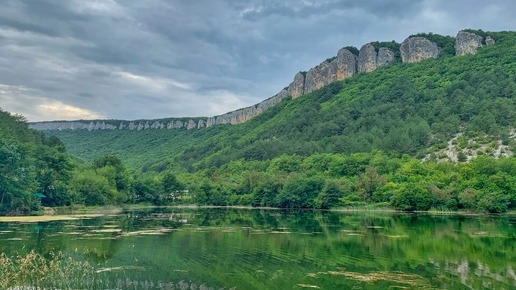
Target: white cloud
(159, 58)
(60, 111)
(222, 101)
(21, 100)
(154, 83)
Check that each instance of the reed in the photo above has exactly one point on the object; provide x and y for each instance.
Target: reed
(53, 271)
(56, 270)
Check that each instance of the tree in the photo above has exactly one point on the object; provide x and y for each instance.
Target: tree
(299, 193)
(329, 196)
(17, 184)
(368, 182)
(92, 189)
(412, 198)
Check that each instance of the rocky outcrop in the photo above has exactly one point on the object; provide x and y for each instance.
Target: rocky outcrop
(385, 57)
(467, 43)
(320, 76)
(297, 87)
(416, 49)
(118, 125)
(343, 66)
(367, 58)
(245, 114)
(346, 64)
(489, 40)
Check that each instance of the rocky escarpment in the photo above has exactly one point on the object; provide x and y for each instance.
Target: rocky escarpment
(348, 62)
(297, 87)
(416, 49)
(344, 65)
(234, 117)
(385, 57)
(370, 59)
(469, 43)
(245, 114)
(367, 58)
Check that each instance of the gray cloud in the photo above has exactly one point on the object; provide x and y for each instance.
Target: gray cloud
(149, 59)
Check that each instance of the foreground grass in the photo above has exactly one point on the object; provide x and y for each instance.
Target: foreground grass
(56, 271)
(35, 271)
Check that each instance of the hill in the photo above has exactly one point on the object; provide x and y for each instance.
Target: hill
(451, 107)
(433, 132)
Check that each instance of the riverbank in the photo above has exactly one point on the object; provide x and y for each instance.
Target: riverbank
(86, 212)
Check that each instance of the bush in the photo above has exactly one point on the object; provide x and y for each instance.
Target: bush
(412, 198)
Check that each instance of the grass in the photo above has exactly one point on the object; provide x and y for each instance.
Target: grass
(57, 271)
(34, 271)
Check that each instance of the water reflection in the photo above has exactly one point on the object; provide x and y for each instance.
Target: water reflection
(273, 249)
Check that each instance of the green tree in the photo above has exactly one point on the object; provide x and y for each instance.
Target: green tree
(92, 189)
(299, 193)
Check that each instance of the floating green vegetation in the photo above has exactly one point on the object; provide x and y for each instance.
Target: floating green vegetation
(412, 280)
(46, 218)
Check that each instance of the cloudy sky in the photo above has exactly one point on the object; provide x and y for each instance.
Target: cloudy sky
(132, 59)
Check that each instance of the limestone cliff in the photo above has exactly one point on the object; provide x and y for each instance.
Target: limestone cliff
(344, 65)
(370, 59)
(467, 43)
(385, 57)
(320, 76)
(489, 40)
(235, 117)
(416, 49)
(297, 87)
(367, 58)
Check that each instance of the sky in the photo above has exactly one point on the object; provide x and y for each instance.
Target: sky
(136, 59)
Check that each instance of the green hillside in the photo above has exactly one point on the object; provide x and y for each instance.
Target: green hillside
(438, 134)
(413, 109)
(30, 164)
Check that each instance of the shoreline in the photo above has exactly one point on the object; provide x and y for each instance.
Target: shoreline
(74, 212)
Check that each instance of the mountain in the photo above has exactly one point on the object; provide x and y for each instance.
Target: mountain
(348, 62)
(434, 90)
(425, 124)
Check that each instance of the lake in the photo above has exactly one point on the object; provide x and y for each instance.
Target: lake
(213, 248)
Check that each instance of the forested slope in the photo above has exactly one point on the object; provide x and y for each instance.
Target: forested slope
(414, 109)
(386, 138)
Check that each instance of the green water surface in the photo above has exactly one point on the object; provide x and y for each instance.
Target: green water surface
(172, 248)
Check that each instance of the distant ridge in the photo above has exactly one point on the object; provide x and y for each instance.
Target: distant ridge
(348, 62)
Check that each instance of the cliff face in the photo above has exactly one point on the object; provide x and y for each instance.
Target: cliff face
(385, 57)
(320, 76)
(416, 49)
(467, 43)
(344, 65)
(235, 117)
(338, 68)
(367, 59)
(296, 88)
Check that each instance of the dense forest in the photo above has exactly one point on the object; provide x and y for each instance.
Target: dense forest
(36, 171)
(430, 135)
